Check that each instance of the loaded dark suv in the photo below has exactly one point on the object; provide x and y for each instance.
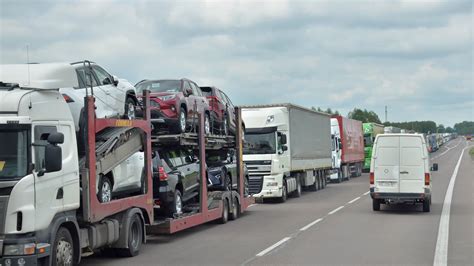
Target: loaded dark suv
(222, 111)
(175, 179)
(222, 172)
(174, 104)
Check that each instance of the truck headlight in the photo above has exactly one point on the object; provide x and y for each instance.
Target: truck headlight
(19, 249)
(272, 184)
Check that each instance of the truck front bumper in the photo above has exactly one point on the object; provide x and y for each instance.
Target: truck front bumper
(272, 187)
(40, 250)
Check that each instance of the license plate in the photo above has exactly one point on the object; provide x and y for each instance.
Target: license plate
(386, 183)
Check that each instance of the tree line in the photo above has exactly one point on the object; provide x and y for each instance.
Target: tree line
(367, 116)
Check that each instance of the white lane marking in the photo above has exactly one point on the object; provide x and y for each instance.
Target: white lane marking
(354, 200)
(449, 148)
(441, 252)
(335, 210)
(367, 193)
(310, 224)
(272, 247)
(251, 205)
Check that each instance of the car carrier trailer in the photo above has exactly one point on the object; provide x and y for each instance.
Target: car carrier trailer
(52, 216)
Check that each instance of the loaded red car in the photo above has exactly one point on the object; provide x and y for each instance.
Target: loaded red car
(222, 111)
(174, 105)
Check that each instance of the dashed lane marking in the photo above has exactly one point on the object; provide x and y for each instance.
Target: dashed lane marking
(335, 210)
(354, 200)
(272, 247)
(306, 227)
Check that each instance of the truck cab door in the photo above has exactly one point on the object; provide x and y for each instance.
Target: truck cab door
(49, 187)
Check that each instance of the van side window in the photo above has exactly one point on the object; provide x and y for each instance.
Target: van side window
(41, 137)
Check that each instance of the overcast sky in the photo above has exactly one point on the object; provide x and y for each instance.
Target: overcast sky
(416, 57)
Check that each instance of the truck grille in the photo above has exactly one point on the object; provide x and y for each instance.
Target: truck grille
(255, 184)
(3, 212)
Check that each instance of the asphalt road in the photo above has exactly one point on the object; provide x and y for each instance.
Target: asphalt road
(333, 226)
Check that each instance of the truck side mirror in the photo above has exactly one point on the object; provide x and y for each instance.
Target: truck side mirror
(283, 139)
(434, 167)
(52, 158)
(340, 145)
(56, 138)
(284, 148)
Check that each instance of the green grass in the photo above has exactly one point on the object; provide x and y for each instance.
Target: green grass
(471, 151)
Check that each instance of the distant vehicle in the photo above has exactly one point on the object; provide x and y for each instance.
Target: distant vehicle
(175, 104)
(176, 178)
(348, 148)
(400, 171)
(431, 142)
(114, 97)
(126, 178)
(468, 137)
(222, 111)
(391, 129)
(222, 173)
(371, 130)
(287, 147)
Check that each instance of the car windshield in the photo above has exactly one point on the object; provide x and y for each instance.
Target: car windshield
(260, 143)
(13, 153)
(172, 86)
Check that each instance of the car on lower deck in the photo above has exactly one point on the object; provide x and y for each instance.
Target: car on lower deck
(176, 175)
(222, 111)
(174, 105)
(222, 173)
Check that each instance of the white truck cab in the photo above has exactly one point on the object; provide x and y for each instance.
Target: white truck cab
(400, 170)
(336, 153)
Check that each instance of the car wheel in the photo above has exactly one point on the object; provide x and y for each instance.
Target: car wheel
(207, 124)
(182, 120)
(176, 207)
(225, 126)
(105, 189)
(63, 249)
(227, 182)
(130, 108)
(375, 204)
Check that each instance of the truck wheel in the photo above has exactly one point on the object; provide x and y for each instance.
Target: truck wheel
(314, 186)
(135, 238)
(105, 189)
(235, 210)
(324, 181)
(297, 193)
(376, 204)
(339, 176)
(225, 212)
(63, 249)
(426, 205)
(284, 193)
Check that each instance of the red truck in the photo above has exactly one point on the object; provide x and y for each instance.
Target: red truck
(347, 149)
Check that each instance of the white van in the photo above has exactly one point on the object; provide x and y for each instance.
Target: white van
(400, 171)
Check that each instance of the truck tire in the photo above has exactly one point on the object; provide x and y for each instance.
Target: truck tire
(298, 190)
(63, 248)
(284, 193)
(426, 205)
(375, 204)
(324, 181)
(225, 212)
(235, 210)
(314, 186)
(339, 176)
(135, 238)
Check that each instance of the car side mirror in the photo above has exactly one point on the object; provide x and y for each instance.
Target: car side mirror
(434, 167)
(188, 91)
(283, 139)
(115, 80)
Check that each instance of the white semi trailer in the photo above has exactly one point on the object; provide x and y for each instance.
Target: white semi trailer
(287, 147)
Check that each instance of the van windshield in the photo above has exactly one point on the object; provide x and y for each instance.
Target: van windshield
(13, 153)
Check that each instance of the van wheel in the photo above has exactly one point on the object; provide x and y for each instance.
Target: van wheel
(376, 204)
(426, 205)
(63, 249)
(135, 238)
(225, 212)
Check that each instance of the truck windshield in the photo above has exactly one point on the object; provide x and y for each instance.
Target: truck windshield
(260, 143)
(13, 153)
(368, 140)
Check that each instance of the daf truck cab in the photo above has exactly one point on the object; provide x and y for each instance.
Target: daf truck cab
(265, 152)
